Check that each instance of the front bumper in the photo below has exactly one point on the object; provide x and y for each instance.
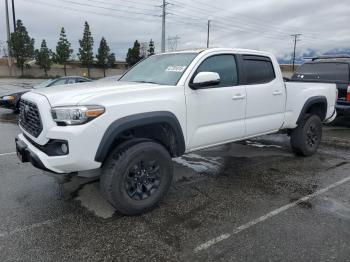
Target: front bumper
(64, 164)
(26, 155)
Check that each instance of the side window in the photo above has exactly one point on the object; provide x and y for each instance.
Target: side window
(258, 69)
(71, 81)
(59, 82)
(80, 80)
(224, 65)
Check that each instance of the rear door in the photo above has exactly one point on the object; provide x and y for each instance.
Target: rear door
(266, 95)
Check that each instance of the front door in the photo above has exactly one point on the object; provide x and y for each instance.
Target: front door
(215, 114)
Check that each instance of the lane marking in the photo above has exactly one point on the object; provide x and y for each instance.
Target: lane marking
(6, 154)
(29, 227)
(273, 213)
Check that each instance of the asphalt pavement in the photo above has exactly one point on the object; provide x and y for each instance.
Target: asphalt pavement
(247, 201)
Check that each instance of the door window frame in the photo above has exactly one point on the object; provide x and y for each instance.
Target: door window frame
(238, 69)
(243, 57)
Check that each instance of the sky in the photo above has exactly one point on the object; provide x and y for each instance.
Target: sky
(254, 24)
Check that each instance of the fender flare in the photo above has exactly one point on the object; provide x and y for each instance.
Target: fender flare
(310, 102)
(120, 125)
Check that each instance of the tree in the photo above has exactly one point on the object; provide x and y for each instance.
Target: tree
(85, 54)
(63, 51)
(111, 60)
(21, 45)
(151, 48)
(133, 55)
(43, 57)
(102, 55)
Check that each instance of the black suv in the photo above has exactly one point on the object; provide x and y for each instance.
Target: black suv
(329, 69)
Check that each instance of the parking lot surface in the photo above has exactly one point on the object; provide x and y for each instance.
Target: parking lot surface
(247, 201)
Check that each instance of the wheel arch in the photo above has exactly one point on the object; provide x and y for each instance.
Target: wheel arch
(314, 105)
(162, 126)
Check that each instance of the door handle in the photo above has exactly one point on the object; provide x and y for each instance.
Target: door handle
(238, 97)
(277, 93)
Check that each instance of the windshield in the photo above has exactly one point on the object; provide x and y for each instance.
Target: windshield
(164, 69)
(327, 72)
(43, 84)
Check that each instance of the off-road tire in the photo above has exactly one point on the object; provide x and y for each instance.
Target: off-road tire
(119, 169)
(306, 138)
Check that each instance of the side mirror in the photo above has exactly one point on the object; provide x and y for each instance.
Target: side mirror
(205, 79)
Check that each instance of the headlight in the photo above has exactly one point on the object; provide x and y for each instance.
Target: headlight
(76, 115)
(8, 98)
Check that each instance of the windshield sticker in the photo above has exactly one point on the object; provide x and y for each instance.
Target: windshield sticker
(178, 69)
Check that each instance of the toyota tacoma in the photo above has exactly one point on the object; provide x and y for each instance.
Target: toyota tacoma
(163, 107)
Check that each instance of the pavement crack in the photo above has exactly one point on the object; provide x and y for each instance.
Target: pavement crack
(337, 165)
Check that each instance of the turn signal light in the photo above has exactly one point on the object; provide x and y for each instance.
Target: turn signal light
(94, 112)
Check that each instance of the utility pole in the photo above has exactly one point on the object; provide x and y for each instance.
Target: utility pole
(172, 43)
(163, 26)
(208, 34)
(8, 36)
(296, 39)
(14, 15)
(7, 22)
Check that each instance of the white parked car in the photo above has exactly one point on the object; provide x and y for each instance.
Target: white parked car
(163, 107)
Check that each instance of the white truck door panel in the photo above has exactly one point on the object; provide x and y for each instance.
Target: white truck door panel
(216, 114)
(266, 96)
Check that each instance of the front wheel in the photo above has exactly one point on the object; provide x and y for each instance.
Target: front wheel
(135, 177)
(306, 138)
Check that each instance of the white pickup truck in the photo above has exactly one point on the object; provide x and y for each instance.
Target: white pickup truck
(165, 106)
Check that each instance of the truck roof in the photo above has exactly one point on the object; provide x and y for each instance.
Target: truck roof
(220, 49)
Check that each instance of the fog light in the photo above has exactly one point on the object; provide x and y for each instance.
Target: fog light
(64, 148)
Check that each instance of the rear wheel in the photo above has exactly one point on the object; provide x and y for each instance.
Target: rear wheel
(136, 176)
(306, 138)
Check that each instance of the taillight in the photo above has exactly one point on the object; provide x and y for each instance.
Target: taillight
(348, 94)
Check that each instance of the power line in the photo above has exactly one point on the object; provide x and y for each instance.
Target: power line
(123, 1)
(107, 8)
(233, 27)
(123, 5)
(40, 2)
(232, 21)
(237, 16)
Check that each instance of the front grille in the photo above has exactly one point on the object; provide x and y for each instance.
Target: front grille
(29, 118)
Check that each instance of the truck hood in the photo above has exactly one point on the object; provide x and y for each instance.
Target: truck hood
(75, 93)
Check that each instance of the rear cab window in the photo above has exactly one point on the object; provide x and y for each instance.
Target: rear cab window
(258, 69)
(323, 72)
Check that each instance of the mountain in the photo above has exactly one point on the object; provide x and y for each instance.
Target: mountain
(299, 59)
